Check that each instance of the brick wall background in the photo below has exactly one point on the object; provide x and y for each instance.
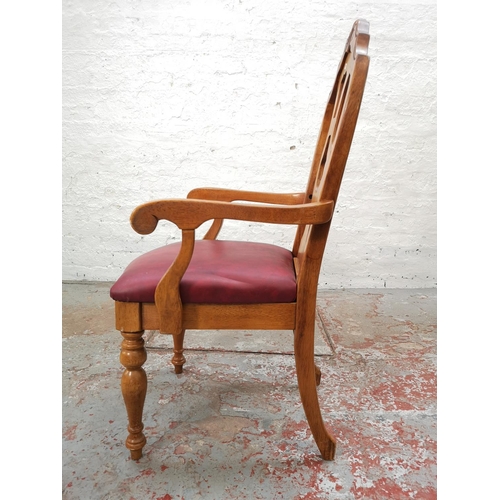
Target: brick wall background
(162, 97)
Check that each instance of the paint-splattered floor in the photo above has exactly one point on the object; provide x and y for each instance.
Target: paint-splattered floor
(232, 425)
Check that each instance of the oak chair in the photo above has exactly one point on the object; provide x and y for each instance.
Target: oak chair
(212, 284)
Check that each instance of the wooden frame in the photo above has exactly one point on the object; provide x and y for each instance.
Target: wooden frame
(311, 211)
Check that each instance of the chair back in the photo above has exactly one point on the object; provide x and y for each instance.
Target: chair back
(334, 141)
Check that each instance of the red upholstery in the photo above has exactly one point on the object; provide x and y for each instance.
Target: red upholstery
(220, 272)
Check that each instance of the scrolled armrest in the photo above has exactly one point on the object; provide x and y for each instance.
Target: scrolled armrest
(191, 213)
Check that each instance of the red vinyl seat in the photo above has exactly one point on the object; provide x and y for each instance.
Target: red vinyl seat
(220, 272)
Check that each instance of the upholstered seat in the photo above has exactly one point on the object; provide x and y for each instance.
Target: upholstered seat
(220, 272)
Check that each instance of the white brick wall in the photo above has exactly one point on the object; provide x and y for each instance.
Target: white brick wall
(162, 97)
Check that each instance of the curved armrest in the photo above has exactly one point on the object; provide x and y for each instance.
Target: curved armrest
(189, 214)
(220, 194)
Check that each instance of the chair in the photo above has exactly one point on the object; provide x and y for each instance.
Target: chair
(212, 284)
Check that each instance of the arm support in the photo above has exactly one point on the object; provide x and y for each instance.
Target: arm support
(190, 214)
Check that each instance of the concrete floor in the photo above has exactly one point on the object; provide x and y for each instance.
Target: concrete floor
(232, 425)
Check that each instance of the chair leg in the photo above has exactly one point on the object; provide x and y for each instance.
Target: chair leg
(317, 373)
(307, 377)
(178, 359)
(134, 387)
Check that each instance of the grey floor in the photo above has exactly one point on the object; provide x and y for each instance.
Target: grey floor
(232, 425)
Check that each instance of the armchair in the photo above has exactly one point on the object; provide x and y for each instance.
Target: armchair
(215, 284)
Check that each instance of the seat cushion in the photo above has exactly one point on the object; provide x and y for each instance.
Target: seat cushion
(220, 272)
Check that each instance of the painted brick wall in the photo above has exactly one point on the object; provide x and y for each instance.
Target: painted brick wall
(161, 97)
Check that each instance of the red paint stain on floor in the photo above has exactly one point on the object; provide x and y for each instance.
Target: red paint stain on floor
(387, 488)
(70, 433)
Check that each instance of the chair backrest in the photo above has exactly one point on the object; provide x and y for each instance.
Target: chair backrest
(334, 142)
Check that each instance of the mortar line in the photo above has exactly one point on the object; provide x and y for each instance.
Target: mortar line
(324, 333)
(272, 353)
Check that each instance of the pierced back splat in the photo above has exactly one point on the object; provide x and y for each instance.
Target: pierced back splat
(337, 130)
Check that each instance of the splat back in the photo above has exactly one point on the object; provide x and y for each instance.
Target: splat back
(334, 141)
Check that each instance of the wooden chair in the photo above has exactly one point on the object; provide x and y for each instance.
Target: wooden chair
(212, 284)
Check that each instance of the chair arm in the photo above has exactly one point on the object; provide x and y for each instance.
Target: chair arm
(220, 194)
(189, 214)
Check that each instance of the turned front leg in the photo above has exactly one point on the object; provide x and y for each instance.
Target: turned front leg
(178, 359)
(134, 386)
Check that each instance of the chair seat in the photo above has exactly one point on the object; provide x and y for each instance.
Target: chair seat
(220, 272)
